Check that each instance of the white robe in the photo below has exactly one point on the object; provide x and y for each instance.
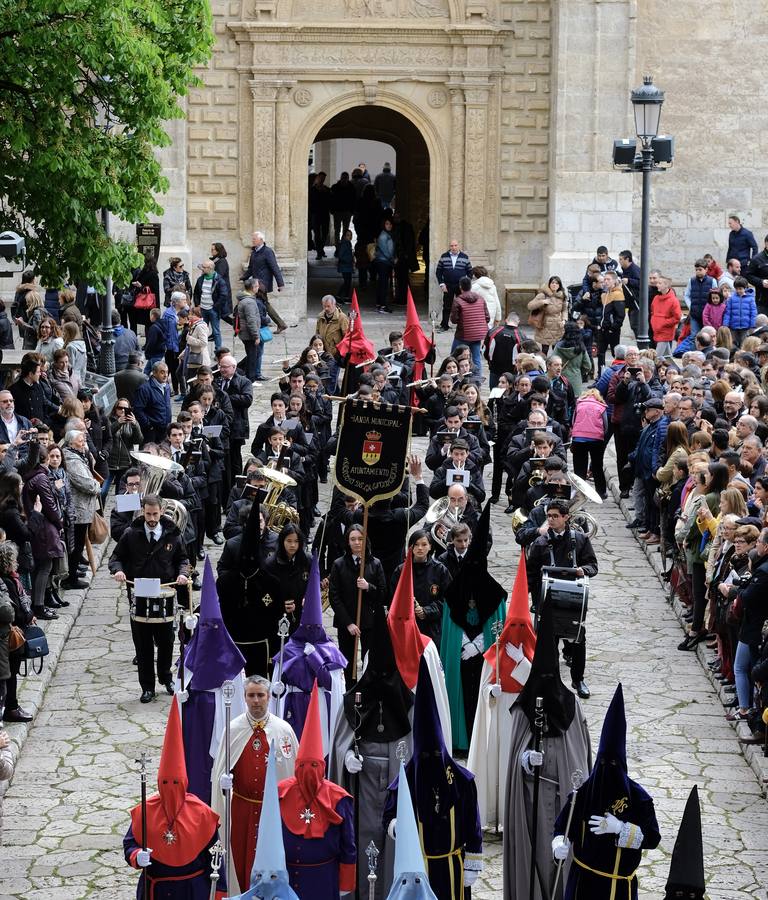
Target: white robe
(488, 758)
(237, 708)
(277, 731)
(432, 657)
(328, 718)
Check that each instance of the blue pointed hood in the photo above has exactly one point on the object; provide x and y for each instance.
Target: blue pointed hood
(212, 656)
(613, 737)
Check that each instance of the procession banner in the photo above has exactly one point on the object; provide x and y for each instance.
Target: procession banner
(372, 448)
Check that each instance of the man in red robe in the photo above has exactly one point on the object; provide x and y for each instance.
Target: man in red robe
(318, 821)
(174, 855)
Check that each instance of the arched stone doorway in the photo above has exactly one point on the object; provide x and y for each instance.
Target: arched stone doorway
(411, 163)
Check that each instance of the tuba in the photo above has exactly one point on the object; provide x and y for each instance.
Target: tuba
(580, 518)
(154, 470)
(277, 513)
(441, 515)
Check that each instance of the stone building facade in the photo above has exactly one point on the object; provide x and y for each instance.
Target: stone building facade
(502, 113)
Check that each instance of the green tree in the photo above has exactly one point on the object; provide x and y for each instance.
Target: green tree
(69, 66)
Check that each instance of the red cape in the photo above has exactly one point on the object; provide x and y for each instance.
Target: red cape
(194, 827)
(323, 805)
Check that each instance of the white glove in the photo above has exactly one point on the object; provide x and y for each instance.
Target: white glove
(352, 763)
(309, 649)
(183, 696)
(142, 858)
(190, 622)
(514, 652)
(226, 781)
(495, 690)
(392, 828)
(470, 877)
(479, 642)
(469, 650)
(560, 847)
(529, 759)
(606, 824)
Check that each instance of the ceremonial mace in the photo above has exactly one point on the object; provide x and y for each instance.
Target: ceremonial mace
(217, 853)
(372, 852)
(497, 627)
(278, 688)
(538, 729)
(142, 761)
(576, 780)
(228, 693)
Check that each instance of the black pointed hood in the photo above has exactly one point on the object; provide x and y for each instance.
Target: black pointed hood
(251, 541)
(475, 582)
(544, 681)
(686, 871)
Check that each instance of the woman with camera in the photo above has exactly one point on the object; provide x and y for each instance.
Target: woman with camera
(126, 435)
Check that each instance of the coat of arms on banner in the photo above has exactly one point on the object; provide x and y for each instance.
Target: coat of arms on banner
(372, 448)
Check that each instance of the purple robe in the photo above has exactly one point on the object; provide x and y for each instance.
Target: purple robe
(313, 863)
(197, 719)
(174, 882)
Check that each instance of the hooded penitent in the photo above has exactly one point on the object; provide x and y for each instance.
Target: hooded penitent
(301, 669)
(408, 642)
(307, 800)
(385, 699)
(608, 781)
(179, 825)
(686, 871)
(212, 658)
(410, 878)
(517, 630)
(355, 345)
(544, 681)
(269, 875)
(415, 340)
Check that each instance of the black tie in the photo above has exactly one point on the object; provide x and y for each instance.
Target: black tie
(152, 539)
(226, 385)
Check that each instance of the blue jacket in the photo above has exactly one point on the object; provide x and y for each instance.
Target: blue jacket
(742, 246)
(741, 312)
(152, 406)
(155, 344)
(220, 295)
(698, 294)
(51, 303)
(346, 262)
(170, 321)
(659, 440)
(642, 455)
(451, 275)
(125, 342)
(263, 265)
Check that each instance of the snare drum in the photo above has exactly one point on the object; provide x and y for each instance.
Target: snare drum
(568, 601)
(154, 610)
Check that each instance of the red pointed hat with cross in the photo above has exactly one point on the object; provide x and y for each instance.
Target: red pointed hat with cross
(179, 824)
(407, 641)
(415, 340)
(307, 799)
(517, 630)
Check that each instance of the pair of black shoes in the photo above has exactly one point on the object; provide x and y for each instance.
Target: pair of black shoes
(149, 696)
(53, 599)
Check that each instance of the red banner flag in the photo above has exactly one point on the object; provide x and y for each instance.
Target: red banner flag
(355, 345)
(415, 340)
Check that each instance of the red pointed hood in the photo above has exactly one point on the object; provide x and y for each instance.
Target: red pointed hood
(307, 799)
(407, 641)
(517, 630)
(355, 345)
(179, 825)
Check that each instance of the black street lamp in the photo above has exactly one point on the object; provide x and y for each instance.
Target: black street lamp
(105, 122)
(653, 151)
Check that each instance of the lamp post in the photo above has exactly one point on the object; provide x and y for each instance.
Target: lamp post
(646, 104)
(107, 354)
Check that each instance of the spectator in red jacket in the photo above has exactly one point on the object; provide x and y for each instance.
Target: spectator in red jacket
(470, 315)
(714, 269)
(665, 317)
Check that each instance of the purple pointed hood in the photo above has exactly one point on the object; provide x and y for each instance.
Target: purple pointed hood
(212, 655)
(299, 669)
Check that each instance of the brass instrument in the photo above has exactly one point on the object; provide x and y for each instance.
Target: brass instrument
(519, 519)
(277, 513)
(441, 515)
(537, 471)
(154, 470)
(580, 518)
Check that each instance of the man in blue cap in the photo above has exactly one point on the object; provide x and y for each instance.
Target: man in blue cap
(613, 821)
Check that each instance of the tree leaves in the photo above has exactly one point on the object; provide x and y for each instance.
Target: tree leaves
(69, 68)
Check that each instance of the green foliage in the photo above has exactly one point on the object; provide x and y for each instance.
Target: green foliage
(64, 62)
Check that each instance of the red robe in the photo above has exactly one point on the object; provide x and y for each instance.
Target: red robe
(248, 773)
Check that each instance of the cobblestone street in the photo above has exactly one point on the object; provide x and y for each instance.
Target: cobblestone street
(65, 812)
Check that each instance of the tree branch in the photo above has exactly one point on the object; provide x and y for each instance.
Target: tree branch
(49, 20)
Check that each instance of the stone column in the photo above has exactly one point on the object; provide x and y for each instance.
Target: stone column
(456, 168)
(263, 176)
(282, 168)
(476, 170)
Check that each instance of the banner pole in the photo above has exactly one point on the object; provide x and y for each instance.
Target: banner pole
(360, 592)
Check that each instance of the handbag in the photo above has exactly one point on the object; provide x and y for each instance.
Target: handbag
(16, 638)
(735, 611)
(194, 357)
(265, 334)
(35, 648)
(98, 530)
(145, 299)
(536, 318)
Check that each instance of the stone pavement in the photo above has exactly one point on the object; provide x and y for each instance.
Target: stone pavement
(65, 811)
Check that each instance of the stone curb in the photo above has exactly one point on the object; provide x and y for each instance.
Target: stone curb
(753, 753)
(32, 689)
